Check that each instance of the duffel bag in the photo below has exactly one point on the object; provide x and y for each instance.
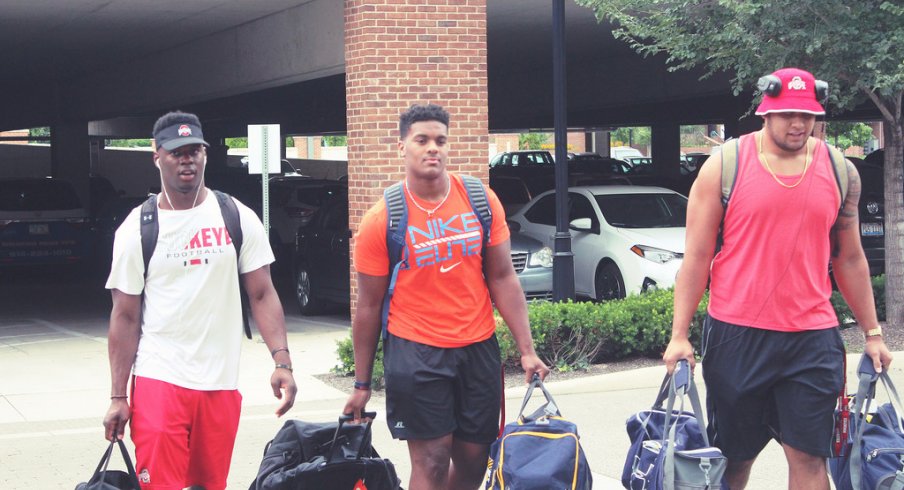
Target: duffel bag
(875, 457)
(541, 451)
(669, 448)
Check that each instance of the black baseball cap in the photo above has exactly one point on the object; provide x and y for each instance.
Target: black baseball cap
(179, 134)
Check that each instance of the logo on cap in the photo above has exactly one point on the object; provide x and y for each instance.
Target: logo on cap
(797, 84)
(184, 130)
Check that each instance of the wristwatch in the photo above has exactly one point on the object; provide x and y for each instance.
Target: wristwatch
(873, 332)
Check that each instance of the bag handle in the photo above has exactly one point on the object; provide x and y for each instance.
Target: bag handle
(866, 392)
(681, 383)
(548, 409)
(100, 473)
(348, 417)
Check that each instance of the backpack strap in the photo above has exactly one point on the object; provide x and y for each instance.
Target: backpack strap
(839, 167)
(149, 230)
(396, 228)
(477, 196)
(729, 151)
(233, 223)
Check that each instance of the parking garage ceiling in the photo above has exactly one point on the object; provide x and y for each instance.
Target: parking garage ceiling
(69, 60)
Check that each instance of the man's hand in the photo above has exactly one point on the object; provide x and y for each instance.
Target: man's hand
(284, 389)
(532, 364)
(355, 405)
(116, 419)
(678, 348)
(876, 349)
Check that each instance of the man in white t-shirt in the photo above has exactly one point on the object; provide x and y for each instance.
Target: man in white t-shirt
(178, 328)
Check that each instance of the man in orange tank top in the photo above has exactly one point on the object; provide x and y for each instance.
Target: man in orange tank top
(772, 355)
(441, 359)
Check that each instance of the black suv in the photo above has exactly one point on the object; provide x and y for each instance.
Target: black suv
(872, 214)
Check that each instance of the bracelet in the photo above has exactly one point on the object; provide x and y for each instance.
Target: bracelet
(114, 397)
(362, 385)
(284, 366)
(281, 349)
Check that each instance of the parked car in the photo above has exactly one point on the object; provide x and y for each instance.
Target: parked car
(524, 157)
(42, 221)
(293, 201)
(626, 239)
(872, 214)
(622, 152)
(511, 191)
(321, 260)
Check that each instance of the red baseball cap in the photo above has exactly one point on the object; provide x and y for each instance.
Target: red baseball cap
(797, 93)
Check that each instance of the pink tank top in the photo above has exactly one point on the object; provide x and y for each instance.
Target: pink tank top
(772, 271)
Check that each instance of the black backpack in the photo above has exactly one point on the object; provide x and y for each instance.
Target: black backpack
(150, 229)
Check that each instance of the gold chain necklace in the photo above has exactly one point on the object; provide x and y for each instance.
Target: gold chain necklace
(766, 162)
(428, 211)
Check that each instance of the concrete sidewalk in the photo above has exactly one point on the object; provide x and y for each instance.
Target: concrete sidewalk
(54, 392)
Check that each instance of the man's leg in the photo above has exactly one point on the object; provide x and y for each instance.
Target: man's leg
(805, 471)
(430, 463)
(737, 473)
(469, 465)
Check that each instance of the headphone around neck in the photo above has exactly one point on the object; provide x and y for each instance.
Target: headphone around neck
(771, 85)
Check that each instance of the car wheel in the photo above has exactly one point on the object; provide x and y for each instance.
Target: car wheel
(306, 302)
(609, 283)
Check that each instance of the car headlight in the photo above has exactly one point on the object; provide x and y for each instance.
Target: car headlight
(541, 258)
(653, 254)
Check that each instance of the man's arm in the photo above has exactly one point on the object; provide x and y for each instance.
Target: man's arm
(851, 271)
(505, 290)
(268, 316)
(122, 345)
(366, 328)
(704, 215)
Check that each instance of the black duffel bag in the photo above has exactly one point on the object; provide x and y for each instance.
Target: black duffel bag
(104, 479)
(324, 456)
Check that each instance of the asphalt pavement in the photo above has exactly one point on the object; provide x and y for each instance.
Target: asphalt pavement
(54, 388)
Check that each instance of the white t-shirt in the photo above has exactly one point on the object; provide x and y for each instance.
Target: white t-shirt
(191, 321)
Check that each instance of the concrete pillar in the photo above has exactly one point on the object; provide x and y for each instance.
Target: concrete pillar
(666, 149)
(401, 53)
(70, 157)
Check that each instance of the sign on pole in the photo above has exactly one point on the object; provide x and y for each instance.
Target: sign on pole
(264, 154)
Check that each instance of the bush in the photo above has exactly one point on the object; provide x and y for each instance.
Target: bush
(345, 349)
(843, 311)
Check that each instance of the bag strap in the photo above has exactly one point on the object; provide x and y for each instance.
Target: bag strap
(233, 222)
(679, 386)
(100, 473)
(548, 409)
(477, 197)
(396, 227)
(344, 418)
(839, 168)
(149, 230)
(866, 392)
(729, 152)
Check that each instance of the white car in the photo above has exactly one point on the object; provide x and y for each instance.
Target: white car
(626, 239)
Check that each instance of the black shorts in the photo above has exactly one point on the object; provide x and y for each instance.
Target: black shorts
(764, 384)
(433, 391)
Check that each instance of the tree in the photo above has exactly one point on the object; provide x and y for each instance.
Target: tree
(638, 136)
(532, 141)
(856, 46)
(847, 134)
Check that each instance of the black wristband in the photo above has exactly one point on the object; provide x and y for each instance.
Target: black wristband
(362, 385)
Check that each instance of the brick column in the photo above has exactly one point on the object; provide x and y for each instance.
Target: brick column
(402, 52)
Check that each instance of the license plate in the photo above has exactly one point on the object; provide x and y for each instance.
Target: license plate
(872, 229)
(39, 229)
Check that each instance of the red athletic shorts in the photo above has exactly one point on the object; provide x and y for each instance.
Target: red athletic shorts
(182, 437)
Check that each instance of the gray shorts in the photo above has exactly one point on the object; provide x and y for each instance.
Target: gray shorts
(764, 384)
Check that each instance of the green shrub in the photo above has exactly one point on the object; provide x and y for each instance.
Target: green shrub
(843, 311)
(345, 350)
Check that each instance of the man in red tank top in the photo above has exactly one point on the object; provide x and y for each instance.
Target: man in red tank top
(771, 348)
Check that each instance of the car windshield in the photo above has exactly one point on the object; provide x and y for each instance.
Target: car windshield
(37, 195)
(643, 210)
